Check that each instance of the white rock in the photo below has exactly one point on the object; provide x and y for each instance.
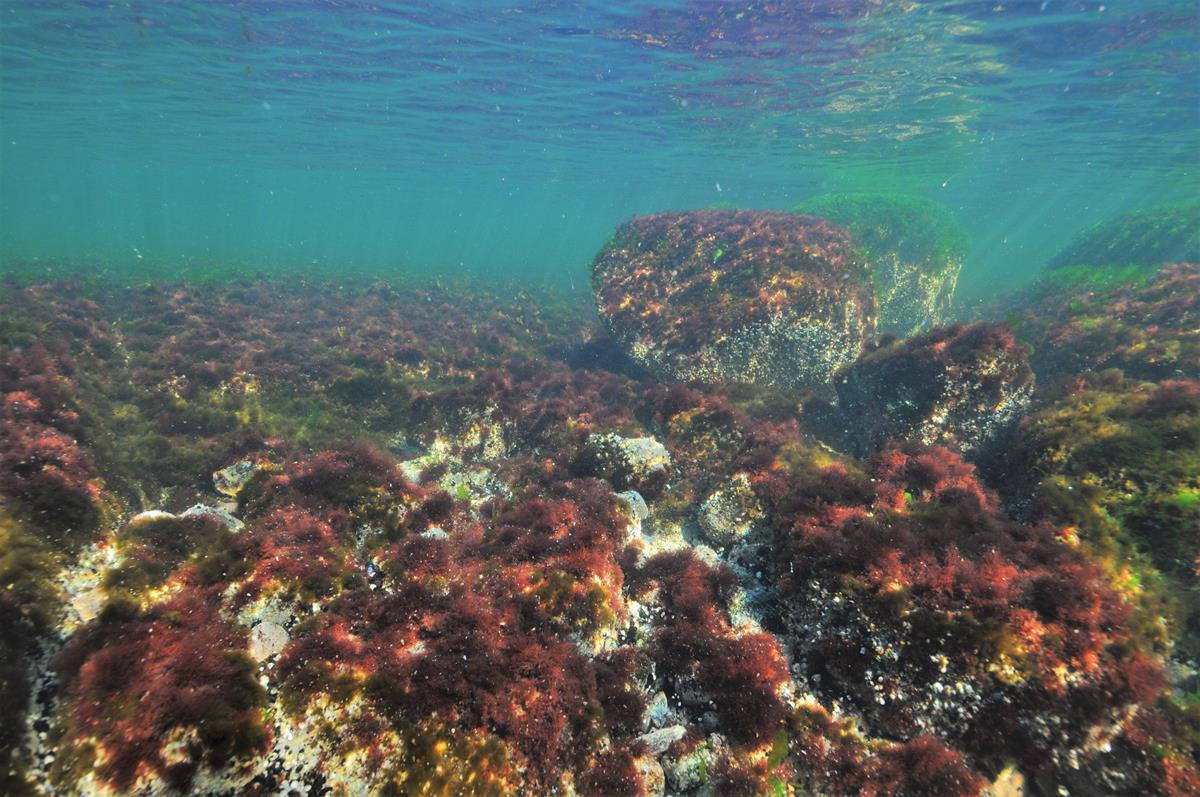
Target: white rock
(150, 516)
(267, 639)
(220, 513)
(658, 741)
(636, 503)
(658, 712)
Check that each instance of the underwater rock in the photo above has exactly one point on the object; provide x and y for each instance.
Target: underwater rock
(230, 480)
(626, 462)
(266, 640)
(658, 712)
(1145, 322)
(916, 250)
(637, 505)
(657, 741)
(142, 519)
(960, 386)
(219, 512)
(688, 770)
(764, 297)
(911, 600)
(1162, 234)
(654, 780)
(729, 513)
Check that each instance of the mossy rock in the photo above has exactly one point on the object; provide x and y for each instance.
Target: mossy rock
(1144, 238)
(1119, 461)
(963, 386)
(916, 250)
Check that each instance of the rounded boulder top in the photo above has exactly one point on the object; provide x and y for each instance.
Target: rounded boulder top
(764, 297)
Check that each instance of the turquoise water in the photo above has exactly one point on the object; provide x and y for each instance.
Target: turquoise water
(492, 139)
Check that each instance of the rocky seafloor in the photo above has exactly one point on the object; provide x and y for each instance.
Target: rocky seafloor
(306, 539)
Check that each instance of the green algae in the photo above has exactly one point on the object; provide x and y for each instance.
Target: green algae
(439, 761)
(1096, 278)
(1120, 462)
(915, 248)
(29, 609)
(27, 570)
(915, 228)
(1146, 238)
(152, 550)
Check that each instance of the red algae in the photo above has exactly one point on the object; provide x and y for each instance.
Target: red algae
(735, 296)
(942, 590)
(741, 674)
(615, 774)
(834, 757)
(469, 633)
(44, 474)
(490, 617)
(138, 681)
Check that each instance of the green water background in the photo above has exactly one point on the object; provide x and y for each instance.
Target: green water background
(486, 140)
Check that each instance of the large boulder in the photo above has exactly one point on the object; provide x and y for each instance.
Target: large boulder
(762, 297)
(959, 386)
(916, 250)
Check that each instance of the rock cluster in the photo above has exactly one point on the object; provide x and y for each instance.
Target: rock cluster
(446, 561)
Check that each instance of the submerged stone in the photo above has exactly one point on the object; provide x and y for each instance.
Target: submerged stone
(762, 297)
(230, 480)
(959, 386)
(220, 513)
(657, 741)
(267, 639)
(636, 504)
(149, 516)
(1144, 321)
(625, 461)
(1162, 234)
(730, 513)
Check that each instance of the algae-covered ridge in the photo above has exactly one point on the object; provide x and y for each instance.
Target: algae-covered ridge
(916, 229)
(1139, 239)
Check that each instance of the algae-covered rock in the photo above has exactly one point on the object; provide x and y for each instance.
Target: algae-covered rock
(911, 601)
(959, 386)
(1161, 234)
(915, 248)
(627, 462)
(230, 480)
(1144, 321)
(763, 297)
(730, 513)
(1118, 460)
